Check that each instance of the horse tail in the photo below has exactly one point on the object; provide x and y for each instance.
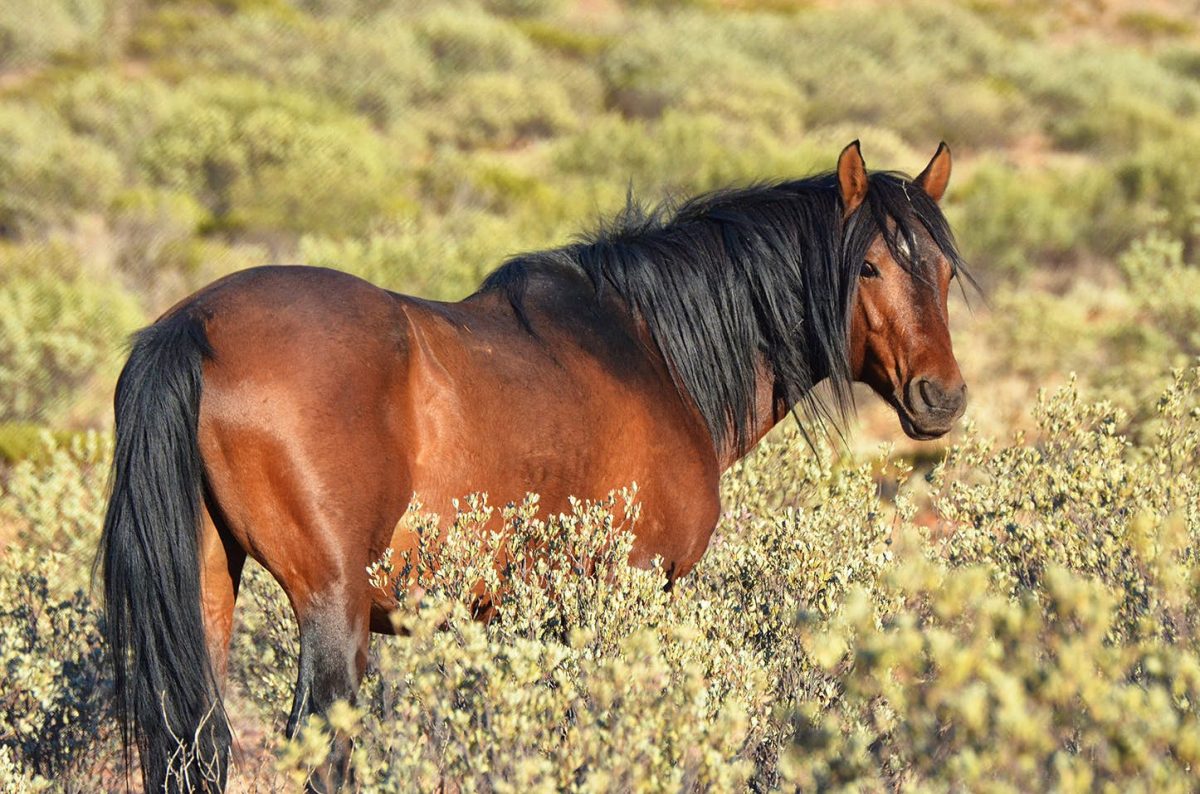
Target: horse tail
(166, 694)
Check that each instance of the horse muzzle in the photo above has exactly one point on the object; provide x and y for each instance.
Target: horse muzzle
(928, 408)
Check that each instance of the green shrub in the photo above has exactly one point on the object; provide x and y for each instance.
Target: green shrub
(22, 441)
(1158, 175)
(500, 110)
(374, 66)
(54, 704)
(925, 71)
(1079, 498)
(47, 174)
(262, 160)
(523, 8)
(464, 40)
(115, 111)
(1043, 643)
(1104, 99)
(441, 261)
(703, 71)
(59, 330)
(1017, 220)
(54, 720)
(963, 689)
(34, 34)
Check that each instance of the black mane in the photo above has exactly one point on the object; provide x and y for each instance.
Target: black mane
(724, 278)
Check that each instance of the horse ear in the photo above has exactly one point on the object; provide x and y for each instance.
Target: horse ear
(852, 178)
(936, 176)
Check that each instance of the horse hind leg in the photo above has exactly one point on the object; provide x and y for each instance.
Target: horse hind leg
(334, 637)
(221, 564)
(221, 560)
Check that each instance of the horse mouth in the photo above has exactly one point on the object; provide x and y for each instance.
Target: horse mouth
(920, 427)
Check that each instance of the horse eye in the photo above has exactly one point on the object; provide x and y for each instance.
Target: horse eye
(869, 270)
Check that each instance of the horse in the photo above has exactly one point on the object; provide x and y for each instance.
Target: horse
(289, 414)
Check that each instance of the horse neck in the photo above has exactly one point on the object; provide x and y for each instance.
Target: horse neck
(768, 412)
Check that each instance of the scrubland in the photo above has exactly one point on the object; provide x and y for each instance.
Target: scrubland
(1013, 608)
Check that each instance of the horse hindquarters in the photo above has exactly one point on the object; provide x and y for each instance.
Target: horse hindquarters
(301, 443)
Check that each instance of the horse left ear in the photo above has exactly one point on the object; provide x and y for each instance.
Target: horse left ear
(936, 176)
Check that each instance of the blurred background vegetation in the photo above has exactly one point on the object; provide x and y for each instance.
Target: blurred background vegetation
(148, 147)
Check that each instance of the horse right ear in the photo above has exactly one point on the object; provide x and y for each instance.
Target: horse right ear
(852, 179)
(936, 176)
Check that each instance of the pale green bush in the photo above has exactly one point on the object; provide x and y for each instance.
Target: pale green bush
(115, 111)
(54, 721)
(569, 686)
(497, 110)
(1023, 219)
(54, 700)
(59, 329)
(1043, 638)
(47, 174)
(524, 8)
(704, 71)
(1080, 498)
(30, 34)
(1157, 174)
(464, 40)
(56, 503)
(441, 261)
(269, 160)
(966, 689)
(1035, 645)
(1122, 331)
(373, 66)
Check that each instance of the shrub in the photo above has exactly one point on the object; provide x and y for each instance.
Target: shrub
(966, 689)
(372, 66)
(441, 261)
(55, 698)
(54, 720)
(704, 71)
(266, 160)
(523, 8)
(1022, 219)
(59, 330)
(115, 111)
(499, 110)
(30, 35)
(1080, 499)
(463, 40)
(922, 71)
(47, 174)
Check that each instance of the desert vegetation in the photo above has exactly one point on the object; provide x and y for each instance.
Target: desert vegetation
(1013, 608)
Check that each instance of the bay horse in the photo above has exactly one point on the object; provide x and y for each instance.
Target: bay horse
(290, 414)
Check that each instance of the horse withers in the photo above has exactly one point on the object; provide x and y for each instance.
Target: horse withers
(290, 414)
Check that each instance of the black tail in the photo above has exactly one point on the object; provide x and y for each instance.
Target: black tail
(166, 694)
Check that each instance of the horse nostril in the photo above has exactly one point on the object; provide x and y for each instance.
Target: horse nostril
(929, 395)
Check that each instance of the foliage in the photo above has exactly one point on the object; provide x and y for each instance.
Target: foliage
(54, 721)
(47, 174)
(1021, 618)
(966, 689)
(1080, 499)
(54, 28)
(1042, 638)
(59, 329)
